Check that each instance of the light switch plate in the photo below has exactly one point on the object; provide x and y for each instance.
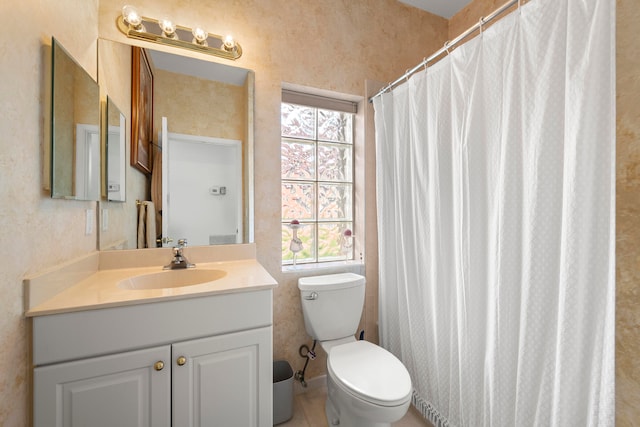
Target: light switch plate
(89, 222)
(104, 219)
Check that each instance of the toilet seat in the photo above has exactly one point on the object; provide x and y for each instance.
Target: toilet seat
(370, 373)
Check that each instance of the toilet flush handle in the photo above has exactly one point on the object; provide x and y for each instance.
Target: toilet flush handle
(311, 296)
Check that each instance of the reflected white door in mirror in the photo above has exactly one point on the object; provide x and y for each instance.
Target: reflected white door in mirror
(202, 188)
(87, 162)
(116, 153)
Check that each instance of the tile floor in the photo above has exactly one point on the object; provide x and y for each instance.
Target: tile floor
(308, 411)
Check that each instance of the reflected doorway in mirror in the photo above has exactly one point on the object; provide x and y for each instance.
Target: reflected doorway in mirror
(195, 169)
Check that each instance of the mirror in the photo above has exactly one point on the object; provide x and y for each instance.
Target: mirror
(204, 103)
(75, 129)
(115, 145)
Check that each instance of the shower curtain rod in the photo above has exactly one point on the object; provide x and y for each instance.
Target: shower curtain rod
(448, 45)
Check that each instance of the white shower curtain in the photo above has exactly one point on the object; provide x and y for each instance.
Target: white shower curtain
(495, 181)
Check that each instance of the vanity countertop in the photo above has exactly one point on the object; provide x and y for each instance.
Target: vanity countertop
(100, 289)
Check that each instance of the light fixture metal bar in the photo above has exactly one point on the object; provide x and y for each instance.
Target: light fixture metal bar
(159, 38)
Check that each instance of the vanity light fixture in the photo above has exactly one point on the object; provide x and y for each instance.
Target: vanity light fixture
(132, 24)
(131, 16)
(200, 36)
(229, 44)
(168, 28)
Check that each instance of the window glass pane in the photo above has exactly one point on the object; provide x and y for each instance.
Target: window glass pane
(335, 126)
(298, 201)
(331, 243)
(317, 182)
(298, 121)
(306, 234)
(334, 201)
(298, 160)
(334, 162)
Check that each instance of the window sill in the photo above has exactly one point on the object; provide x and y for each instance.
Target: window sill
(352, 266)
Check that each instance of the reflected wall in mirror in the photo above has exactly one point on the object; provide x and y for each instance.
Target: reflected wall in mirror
(75, 129)
(201, 100)
(115, 132)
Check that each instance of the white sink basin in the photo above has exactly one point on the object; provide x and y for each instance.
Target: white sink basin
(171, 279)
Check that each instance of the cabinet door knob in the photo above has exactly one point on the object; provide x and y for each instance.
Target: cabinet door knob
(181, 360)
(159, 365)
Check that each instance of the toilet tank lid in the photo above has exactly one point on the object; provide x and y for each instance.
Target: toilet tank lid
(330, 282)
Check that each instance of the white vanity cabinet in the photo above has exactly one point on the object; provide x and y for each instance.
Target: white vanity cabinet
(204, 361)
(219, 383)
(123, 389)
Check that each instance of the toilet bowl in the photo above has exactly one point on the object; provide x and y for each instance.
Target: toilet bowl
(367, 386)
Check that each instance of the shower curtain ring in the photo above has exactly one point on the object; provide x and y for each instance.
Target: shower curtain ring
(446, 46)
(424, 62)
(480, 24)
(406, 75)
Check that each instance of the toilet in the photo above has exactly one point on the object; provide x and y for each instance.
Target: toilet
(367, 386)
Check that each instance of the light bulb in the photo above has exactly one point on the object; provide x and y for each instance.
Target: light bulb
(168, 28)
(200, 36)
(229, 44)
(132, 17)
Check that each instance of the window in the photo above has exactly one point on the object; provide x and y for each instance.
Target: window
(317, 183)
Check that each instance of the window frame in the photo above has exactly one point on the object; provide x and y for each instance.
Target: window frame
(321, 103)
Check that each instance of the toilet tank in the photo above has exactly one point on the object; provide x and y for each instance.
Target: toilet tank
(332, 304)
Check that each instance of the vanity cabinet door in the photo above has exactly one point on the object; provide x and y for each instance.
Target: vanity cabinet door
(127, 390)
(224, 380)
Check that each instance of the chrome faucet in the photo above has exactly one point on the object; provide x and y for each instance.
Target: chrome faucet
(179, 260)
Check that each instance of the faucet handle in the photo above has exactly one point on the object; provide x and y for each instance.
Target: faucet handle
(164, 240)
(182, 243)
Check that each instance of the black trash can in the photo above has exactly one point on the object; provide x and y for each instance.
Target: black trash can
(282, 391)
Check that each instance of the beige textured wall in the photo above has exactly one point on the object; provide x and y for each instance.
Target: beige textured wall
(627, 198)
(332, 45)
(36, 232)
(196, 106)
(628, 214)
